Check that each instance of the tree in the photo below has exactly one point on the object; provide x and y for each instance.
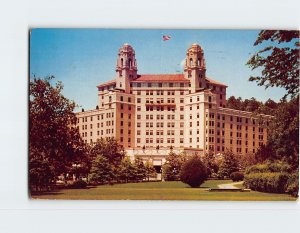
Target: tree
(41, 172)
(193, 172)
(283, 135)
(234, 103)
(108, 151)
(150, 170)
(229, 164)
(171, 169)
(279, 60)
(264, 152)
(109, 148)
(102, 171)
(251, 105)
(211, 163)
(126, 170)
(53, 137)
(140, 169)
(247, 160)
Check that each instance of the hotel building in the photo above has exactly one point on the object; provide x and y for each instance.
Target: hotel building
(152, 114)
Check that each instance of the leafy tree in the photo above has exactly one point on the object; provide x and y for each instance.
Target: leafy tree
(193, 172)
(150, 170)
(140, 169)
(41, 172)
(211, 163)
(126, 170)
(247, 160)
(251, 105)
(171, 169)
(264, 152)
(106, 150)
(283, 135)
(279, 60)
(234, 103)
(229, 164)
(109, 148)
(102, 171)
(53, 137)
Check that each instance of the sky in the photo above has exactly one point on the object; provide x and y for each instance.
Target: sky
(84, 58)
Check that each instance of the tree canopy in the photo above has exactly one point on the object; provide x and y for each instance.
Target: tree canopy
(278, 61)
(54, 140)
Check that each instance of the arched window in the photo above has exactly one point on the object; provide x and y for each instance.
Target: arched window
(198, 61)
(122, 62)
(191, 61)
(129, 63)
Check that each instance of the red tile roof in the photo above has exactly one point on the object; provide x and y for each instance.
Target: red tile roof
(107, 83)
(160, 78)
(215, 82)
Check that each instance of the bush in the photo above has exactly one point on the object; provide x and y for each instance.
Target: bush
(237, 176)
(78, 184)
(269, 167)
(271, 182)
(193, 172)
(292, 186)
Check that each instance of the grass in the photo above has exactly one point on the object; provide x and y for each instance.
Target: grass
(175, 190)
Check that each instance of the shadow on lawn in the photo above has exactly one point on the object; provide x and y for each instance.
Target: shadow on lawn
(57, 191)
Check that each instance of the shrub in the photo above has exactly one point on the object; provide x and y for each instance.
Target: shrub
(193, 172)
(237, 176)
(292, 186)
(271, 182)
(78, 184)
(269, 167)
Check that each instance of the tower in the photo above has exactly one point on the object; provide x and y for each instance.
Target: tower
(194, 68)
(126, 69)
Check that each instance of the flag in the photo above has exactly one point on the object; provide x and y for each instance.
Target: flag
(166, 37)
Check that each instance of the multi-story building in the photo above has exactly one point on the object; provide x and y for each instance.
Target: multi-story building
(151, 114)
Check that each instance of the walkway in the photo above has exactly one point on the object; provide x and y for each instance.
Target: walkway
(229, 186)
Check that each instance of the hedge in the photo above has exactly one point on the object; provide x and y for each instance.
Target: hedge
(271, 182)
(269, 167)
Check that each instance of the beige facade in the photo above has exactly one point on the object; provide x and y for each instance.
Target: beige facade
(152, 114)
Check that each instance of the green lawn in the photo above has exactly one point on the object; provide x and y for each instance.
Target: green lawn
(161, 191)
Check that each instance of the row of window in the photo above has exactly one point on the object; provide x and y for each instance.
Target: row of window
(158, 84)
(98, 117)
(159, 140)
(108, 123)
(238, 119)
(99, 132)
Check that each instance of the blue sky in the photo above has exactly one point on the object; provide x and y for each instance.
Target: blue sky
(84, 58)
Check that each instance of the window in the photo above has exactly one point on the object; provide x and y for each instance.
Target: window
(149, 84)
